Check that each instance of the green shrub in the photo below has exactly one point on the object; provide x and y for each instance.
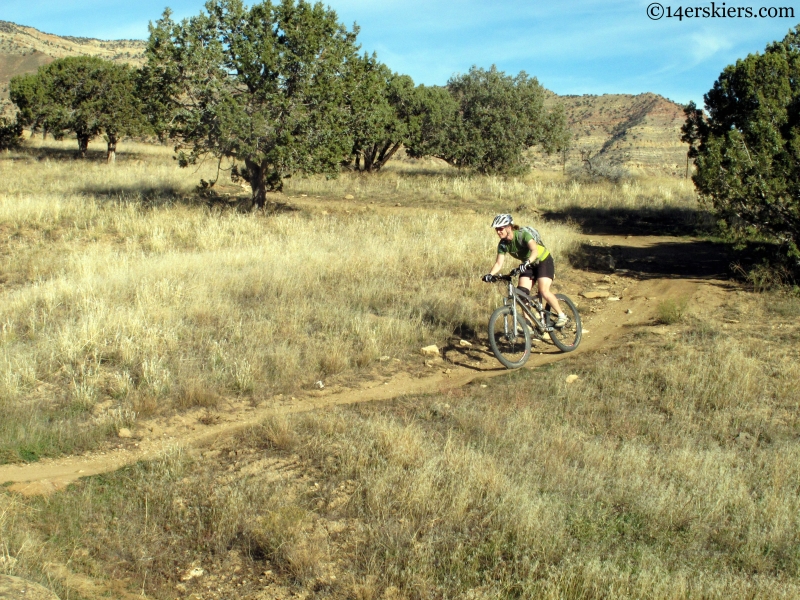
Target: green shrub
(10, 134)
(672, 311)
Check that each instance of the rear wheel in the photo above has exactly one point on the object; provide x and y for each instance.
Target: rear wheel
(509, 338)
(568, 337)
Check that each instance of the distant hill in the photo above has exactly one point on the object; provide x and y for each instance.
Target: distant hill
(640, 133)
(25, 49)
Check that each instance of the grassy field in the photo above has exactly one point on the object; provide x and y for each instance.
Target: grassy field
(125, 295)
(669, 469)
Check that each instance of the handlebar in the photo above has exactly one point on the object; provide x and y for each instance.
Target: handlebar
(513, 273)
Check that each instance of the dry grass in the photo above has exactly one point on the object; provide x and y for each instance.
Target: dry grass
(667, 470)
(123, 293)
(433, 183)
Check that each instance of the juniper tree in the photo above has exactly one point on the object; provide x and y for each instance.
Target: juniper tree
(435, 112)
(382, 120)
(10, 133)
(262, 86)
(83, 95)
(748, 149)
(498, 117)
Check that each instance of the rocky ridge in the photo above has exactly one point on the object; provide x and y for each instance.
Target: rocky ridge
(640, 133)
(25, 49)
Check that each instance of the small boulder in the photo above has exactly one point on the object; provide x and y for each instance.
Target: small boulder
(464, 343)
(572, 378)
(124, 432)
(192, 573)
(613, 299)
(595, 294)
(432, 350)
(349, 197)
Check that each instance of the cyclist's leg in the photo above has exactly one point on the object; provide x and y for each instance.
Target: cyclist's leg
(526, 279)
(526, 283)
(546, 294)
(546, 273)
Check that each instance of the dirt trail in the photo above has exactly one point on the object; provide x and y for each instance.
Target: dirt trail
(649, 269)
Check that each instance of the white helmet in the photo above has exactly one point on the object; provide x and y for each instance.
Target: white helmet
(502, 221)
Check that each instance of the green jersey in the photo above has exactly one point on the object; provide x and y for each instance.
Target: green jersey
(518, 247)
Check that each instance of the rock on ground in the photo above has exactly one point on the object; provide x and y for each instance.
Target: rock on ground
(595, 294)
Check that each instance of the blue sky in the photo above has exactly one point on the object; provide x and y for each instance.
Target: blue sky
(578, 47)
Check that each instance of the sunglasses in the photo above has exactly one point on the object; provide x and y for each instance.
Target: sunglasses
(499, 229)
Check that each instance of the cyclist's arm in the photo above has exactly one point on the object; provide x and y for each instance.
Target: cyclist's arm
(535, 250)
(498, 264)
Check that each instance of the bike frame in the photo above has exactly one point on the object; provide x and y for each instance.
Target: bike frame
(515, 299)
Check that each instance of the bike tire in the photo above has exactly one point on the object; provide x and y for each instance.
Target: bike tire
(513, 350)
(565, 338)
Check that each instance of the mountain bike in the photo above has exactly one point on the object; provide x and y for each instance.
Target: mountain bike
(522, 317)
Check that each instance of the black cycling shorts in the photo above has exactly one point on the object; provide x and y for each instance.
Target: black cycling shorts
(546, 268)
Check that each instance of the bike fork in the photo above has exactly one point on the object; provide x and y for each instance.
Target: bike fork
(513, 333)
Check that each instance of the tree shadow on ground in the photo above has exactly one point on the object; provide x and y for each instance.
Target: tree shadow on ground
(690, 259)
(160, 195)
(71, 154)
(475, 357)
(154, 196)
(674, 221)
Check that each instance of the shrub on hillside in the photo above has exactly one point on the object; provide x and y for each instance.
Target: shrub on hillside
(599, 169)
(10, 134)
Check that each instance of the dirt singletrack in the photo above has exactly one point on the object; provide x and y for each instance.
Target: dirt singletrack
(640, 272)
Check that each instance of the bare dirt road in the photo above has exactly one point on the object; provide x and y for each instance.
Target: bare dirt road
(646, 271)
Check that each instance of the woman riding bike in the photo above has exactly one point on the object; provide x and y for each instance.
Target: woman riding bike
(537, 262)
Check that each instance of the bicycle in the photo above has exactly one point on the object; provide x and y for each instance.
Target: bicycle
(510, 332)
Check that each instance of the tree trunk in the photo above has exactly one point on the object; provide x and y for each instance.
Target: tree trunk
(372, 156)
(111, 157)
(83, 145)
(258, 182)
(369, 155)
(262, 181)
(387, 153)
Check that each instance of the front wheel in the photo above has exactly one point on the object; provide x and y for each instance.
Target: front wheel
(568, 337)
(510, 341)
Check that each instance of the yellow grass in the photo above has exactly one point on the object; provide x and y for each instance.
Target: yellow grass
(434, 183)
(667, 470)
(120, 291)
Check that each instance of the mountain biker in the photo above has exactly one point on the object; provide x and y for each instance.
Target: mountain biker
(537, 262)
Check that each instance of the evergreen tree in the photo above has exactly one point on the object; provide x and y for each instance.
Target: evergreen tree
(748, 150)
(498, 117)
(83, 95)
(264, 86)
(381, 105)
(10, 133)
(434, 112)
